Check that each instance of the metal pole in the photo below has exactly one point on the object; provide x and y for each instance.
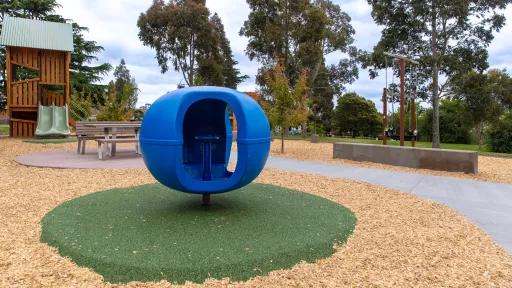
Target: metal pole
(402, 92)
(385, 116)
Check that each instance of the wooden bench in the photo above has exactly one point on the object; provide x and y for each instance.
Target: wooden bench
(84, 133)
(103, 145)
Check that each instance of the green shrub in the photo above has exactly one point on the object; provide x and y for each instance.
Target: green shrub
(117, 107)
(454, 123)
(499, 135)
(357, 116)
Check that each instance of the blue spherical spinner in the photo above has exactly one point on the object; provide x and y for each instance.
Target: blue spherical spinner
(186, 139)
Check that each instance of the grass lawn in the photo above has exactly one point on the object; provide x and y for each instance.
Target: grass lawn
(468, 147)
(150, 232)
(4, 129)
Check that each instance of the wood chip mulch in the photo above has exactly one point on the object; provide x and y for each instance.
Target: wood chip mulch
(399, 241)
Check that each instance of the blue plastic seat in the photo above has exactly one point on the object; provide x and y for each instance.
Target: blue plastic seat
(186, 139)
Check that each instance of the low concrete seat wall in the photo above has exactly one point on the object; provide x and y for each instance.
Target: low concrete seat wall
(435, 159)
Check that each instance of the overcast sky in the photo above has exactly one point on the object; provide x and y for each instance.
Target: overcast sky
(113, 24)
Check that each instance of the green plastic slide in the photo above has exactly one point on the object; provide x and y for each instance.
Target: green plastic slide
(52, 121)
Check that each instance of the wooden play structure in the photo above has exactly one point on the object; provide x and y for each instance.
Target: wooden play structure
(38, 54)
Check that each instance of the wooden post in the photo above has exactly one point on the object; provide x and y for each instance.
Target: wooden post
(68, 60)
(8, 86)
(67, 87)
(385, 116)
(402, 92)
(413, 122)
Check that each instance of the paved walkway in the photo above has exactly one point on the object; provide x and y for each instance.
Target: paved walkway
(487, 204)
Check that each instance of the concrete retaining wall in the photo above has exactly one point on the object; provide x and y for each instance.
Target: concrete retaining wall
(435, 159)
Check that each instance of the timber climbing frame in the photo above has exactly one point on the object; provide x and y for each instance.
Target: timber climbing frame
(48, 84)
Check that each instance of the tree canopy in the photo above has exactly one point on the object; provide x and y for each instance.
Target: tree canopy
(121, 97)
(500, 134)
(455, 122)
(320, 100)
(357, 115)
(486, 96)
(185, 36)
(125, 84)
(84, 77)
(288, 105)
(33, 9)
(447, 37)
(218, 67)
(299, 34)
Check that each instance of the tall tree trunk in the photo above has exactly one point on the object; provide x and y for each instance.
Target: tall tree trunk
(318, 64)
(191, 61)
(314, 72)
(286, 40)
(436, 141)
(480, 135)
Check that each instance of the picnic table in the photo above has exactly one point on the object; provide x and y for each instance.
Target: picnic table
(111, 130)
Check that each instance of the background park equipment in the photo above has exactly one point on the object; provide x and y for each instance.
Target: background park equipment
(38, 54)
(402, 60)
(186, 138)
(52, 121)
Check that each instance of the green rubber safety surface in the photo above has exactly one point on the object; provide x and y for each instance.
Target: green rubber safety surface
(151, 233)
(50, 141)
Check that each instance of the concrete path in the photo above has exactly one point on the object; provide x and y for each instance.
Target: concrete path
(487, 204)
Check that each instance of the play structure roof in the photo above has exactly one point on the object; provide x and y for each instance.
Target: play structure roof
(21, 32)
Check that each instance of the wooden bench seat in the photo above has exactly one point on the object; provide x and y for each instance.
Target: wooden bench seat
(103, 145)
(84, 133)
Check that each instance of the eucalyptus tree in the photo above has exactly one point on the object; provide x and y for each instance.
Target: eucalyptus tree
(185, 36)
(448, 38)
(218, 66)
(298, 33)
(486, 96)
(321, 100)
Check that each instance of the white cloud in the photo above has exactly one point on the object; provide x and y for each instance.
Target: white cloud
(152, 91)
(233, 15)
(113, 24)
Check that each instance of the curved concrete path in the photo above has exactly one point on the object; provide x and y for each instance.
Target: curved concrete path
(487, 204)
